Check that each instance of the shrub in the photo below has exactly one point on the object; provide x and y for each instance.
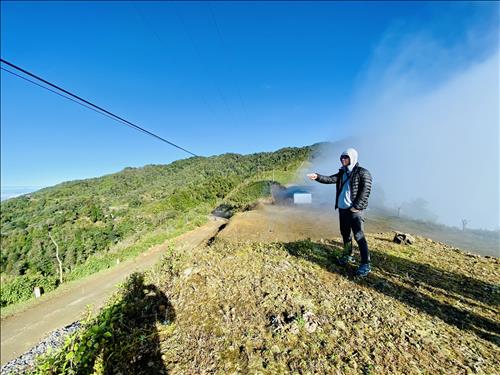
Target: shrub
(21, 288)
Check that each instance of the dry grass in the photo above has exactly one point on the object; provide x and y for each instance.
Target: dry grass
(284, 308)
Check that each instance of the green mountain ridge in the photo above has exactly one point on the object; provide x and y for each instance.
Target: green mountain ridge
(89, 217)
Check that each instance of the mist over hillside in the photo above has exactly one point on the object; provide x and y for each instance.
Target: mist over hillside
(426, 124)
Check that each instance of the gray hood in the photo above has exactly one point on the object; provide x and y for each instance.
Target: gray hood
(353, 155)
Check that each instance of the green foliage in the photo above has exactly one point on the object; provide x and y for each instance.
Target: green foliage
(121, 339)
(89, 218)
(102, 261)
(249, 193)
(20, 288)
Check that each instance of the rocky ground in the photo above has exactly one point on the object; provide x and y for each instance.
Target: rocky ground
(53, 340)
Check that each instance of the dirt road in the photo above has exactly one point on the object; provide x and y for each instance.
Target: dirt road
(274, 223)
(23, 330)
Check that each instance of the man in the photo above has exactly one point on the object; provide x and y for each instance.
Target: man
(353, 189)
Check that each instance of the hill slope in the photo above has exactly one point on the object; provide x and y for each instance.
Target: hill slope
(93, 220)
(279, 308)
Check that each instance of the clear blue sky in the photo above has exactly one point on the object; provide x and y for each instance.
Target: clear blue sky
(221, 77)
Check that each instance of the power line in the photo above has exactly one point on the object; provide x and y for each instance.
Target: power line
(57, 93)
(64, 96)
(94, 106)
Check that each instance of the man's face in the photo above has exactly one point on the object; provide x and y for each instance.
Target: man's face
(345, 160)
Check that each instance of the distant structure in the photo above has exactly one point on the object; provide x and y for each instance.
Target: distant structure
(302, 198)
(38, 291)
(294, 194)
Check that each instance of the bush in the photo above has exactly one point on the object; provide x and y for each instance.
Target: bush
(122, 339)
(21, 288)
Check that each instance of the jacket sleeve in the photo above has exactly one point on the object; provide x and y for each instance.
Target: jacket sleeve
(327, 179)
(361, 201)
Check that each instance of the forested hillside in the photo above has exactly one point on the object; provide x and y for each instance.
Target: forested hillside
(86, 218)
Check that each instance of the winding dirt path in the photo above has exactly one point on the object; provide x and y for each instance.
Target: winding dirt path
(25, 329)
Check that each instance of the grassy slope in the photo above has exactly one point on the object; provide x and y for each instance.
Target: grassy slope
(284, 308)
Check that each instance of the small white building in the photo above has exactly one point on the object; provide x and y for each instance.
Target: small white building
(302, 198)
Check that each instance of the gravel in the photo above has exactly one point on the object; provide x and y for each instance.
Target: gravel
(52, 340)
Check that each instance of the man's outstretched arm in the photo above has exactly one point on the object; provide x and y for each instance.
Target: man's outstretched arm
(324, 179)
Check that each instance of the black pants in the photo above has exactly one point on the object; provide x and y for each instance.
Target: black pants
(354, 221)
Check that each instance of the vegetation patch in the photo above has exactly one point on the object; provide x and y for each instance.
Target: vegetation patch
(122, 338)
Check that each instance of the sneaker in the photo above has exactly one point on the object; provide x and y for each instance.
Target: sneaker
(363, 270)
(345, 259)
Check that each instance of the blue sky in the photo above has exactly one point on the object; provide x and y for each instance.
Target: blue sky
(213, 77)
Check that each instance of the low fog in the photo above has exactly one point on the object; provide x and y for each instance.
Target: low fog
(426, 125)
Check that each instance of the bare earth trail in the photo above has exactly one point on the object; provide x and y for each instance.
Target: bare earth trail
(274, 223)
(25, 329)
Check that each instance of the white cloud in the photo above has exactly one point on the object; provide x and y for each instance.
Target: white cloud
(427, 118)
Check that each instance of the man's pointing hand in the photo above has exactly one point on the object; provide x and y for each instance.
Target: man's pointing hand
(312, 176)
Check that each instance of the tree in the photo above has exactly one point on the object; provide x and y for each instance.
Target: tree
(58, 260)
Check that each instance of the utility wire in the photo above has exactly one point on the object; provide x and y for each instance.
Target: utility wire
(64, 96)
(101, 110)
(57, 93)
